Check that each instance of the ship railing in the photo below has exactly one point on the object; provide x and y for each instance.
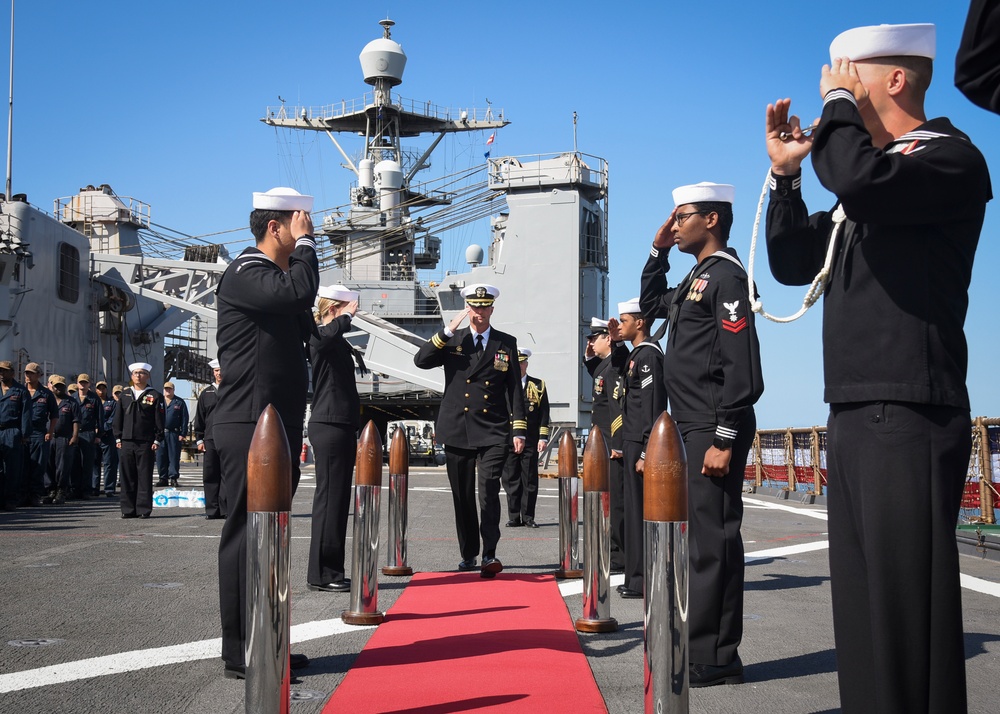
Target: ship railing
(348, 107)
(791, 463)
(82, 208)
(567, 167)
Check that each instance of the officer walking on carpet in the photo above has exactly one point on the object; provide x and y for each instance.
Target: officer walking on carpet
(482, 417)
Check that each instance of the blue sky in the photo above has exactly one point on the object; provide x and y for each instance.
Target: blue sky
(162, 101)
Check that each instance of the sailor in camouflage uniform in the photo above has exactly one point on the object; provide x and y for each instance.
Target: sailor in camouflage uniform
(913, 195)
(482, 405)
(642, 400)
(520, 476)
(713, 379)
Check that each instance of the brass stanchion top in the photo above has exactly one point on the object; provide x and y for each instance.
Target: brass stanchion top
(399, 453)
(596, 462)
(665, 474)
(567, 456)
(269, 466)
(369, 464)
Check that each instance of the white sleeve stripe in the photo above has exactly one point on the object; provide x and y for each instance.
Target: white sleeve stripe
(654, 252)
(835, 94)
(306, 240)
(725, 432)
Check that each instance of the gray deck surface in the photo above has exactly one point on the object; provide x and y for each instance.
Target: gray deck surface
(99, 585)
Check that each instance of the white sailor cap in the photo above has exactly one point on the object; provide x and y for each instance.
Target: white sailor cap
(598, 327)
(629, 308)
(214, 364)
(338, 292)
(480, 294)
(144, 366)
(282, 199)
(861, 43)
(704, 192)
(523, 353)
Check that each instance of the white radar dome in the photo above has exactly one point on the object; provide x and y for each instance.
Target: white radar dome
(390, 174)
(474, 255)
(383, 59)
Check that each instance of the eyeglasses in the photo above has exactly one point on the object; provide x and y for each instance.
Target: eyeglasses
(681, 217)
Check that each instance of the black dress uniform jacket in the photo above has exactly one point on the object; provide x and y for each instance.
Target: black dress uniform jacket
(335, 393)
(536, 396)
(977, 71)
(643, 398)
(895, 307)
(139, 419)
(482, 398)
(712, 361)
(264, 323)
(207, 401)
(606, 374)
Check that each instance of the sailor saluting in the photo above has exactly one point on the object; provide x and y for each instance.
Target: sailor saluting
(914, 192)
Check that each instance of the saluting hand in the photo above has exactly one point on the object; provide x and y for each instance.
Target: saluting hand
(664, 238)
(616, 334)
(843, 74)
(302, 224)
(786, 156)
(350, 308)
(456, 321)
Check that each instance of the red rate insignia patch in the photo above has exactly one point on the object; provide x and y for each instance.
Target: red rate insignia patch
(734, 327)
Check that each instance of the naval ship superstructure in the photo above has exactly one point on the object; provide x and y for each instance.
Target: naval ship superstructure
(547, 247)
(95, 286)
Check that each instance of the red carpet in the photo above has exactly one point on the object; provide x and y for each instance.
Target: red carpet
(454, 642)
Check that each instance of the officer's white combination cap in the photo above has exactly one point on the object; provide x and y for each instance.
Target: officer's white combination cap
(214, 364)
(861, 43)
(282, 199)
(480, 294)
(629, 308)
(338, 292)
(145, 366)
(703, 192)
(523, 353)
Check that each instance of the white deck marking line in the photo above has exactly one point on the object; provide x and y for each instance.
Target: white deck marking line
(155, 657)
(808, 512)
(979, 585)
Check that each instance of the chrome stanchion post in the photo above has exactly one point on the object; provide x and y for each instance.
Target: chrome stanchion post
(596, 615)
(569, 553)
(665, 512)
(269, 502)
(399, 476)
(364, 565)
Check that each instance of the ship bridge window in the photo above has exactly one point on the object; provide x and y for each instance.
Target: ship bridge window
(593, 246)
(69, 273)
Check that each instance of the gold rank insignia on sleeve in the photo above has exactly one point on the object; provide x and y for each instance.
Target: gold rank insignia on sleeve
(520, 424)
(437, 341)
(616, 425)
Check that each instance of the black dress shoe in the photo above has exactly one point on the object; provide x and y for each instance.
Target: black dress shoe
(129, 515)
(708, 675)
(337, 586)
(621, 587)
(630, 594)
(145, 515)
(469, 564)
(298, 661)
(173, 482)
(491, 566)
(514, 523)
(235, 671)
(530, 523)
(213, 516)
(161, 483)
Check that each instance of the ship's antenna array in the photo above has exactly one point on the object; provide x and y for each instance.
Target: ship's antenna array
(819, 283)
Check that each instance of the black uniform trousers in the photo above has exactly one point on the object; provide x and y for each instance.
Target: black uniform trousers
(336, 448)
(211, 479)
(233, 444)
(616, 484)
(896, 474)
(136, 459)
(715, 547)
(520, 481)
(633, 531)
(83, 471)
(11, 465)
(36, 464)
(109, 454)
(61, 455)
(466, 467)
